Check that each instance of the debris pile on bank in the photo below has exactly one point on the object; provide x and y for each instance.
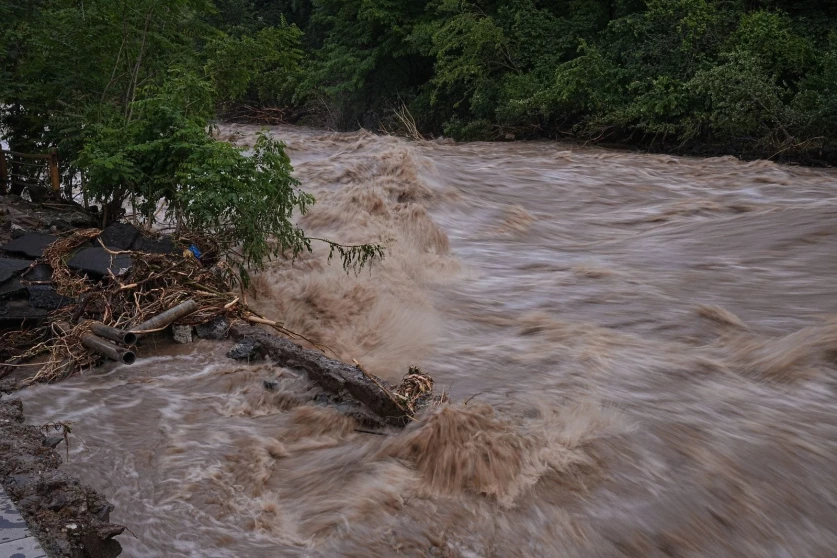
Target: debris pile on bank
(67, 300)
(54, 289)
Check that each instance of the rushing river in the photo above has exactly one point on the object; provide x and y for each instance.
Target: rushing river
(640, 352)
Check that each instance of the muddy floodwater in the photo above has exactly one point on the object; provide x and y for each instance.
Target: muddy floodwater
(641, 352)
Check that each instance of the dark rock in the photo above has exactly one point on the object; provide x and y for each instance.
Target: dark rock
(120, 236)
(10, 267)
(270, 385)
(100, 547)
(103, 513)
(80, 219)
(61, 225)
(12, 288)
(31, 245)
(214, 329)
(46, 297)
(41, 273)
(163, 245)
(96, 261)
(52, 441)
(247, 349)
(18, 231)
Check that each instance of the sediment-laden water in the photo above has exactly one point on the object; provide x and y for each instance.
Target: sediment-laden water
(640, 350)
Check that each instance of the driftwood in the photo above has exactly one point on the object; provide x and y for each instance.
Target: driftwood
(389, 405)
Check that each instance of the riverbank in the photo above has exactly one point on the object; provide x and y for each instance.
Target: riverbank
(69, 518)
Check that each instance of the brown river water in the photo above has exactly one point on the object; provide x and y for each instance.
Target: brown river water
(640, 352)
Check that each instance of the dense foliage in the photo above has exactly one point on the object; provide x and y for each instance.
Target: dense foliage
(745, 76)
(126, 90)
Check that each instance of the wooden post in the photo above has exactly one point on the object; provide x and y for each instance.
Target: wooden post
(15, 185)
(54, 175)
(4, 172)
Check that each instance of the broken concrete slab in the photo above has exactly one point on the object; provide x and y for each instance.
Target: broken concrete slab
(40, 273)
(96, 261)
(182, 334)
(120, 236)
(31, 245)
(163, 245)
(12, 288)
(17, 313)
(47, 298)
(10, 267)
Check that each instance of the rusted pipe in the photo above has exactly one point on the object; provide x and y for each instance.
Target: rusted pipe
(163, 320)
(114, 334)
(105, 348)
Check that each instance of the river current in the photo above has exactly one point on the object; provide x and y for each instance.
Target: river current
(639, 351)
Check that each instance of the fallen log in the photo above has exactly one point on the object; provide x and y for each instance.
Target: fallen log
(346, 382)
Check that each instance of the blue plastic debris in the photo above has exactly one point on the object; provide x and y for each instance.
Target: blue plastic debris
(195, 251)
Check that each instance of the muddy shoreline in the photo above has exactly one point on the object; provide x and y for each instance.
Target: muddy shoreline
(69, 518)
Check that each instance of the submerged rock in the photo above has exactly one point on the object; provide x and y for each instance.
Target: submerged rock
(247, 349)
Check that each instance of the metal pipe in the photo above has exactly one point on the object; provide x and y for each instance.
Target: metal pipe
(163, 320)
(108, 349)
(114, 334)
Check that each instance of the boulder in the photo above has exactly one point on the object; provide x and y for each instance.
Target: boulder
(31, 245)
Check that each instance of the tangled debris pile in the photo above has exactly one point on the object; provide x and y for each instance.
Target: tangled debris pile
(118, 277)
(73, 288)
